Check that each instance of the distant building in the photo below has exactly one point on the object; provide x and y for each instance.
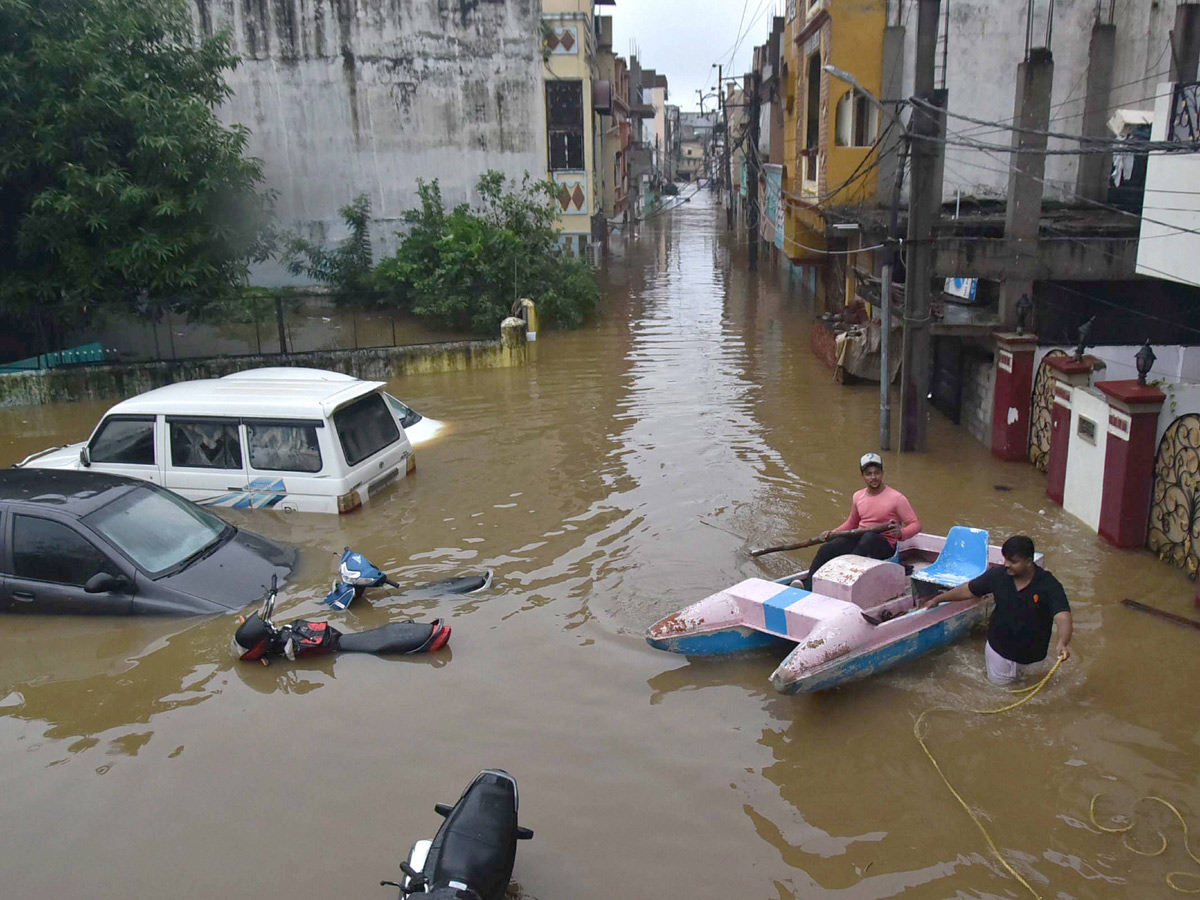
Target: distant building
(616, 132)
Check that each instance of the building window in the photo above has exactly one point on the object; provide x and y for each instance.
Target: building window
(812, 116)
(857, 121)
(564, 124)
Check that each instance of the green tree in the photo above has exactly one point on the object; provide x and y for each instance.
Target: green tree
(347, 267)
(117, 180)
(465, 268)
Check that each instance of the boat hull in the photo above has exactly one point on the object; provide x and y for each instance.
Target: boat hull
(896, 642)
(721, 642)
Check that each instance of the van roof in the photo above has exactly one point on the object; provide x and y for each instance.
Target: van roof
(273, 398)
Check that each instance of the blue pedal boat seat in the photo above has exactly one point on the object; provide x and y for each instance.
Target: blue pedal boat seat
(965, 556)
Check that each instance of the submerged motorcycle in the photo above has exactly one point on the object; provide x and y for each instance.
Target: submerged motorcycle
(259, 638)
(356, 573)
(472, 855)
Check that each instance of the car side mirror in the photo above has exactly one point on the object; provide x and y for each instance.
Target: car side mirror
(104, 583)
(85, 458)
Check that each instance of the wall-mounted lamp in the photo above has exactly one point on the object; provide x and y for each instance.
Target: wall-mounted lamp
(1024, 308)
(1145, 361)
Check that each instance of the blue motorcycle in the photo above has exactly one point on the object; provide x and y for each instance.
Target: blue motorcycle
(356, 573)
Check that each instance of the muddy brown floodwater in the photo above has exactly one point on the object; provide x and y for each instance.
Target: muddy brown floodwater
(137, 759)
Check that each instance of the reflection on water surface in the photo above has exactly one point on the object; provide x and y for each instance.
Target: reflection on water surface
(588, 481)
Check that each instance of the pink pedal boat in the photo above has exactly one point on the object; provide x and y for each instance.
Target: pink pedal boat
(861, 617)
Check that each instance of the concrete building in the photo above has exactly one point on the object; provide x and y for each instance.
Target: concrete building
(830, 129)
(656, 132)
(346, 98)
(572, 121)
(616, 139)
(674, 140)
(768, 73)
(642, 190)
(693, 161)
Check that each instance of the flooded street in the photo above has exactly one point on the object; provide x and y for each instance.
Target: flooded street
(623, 474)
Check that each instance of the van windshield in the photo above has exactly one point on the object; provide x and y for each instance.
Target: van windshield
(365, 427)
(158, 530)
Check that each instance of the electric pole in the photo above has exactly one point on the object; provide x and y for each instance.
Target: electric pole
(752, 171)
(923, 130)
(726, 172)
(717, 126)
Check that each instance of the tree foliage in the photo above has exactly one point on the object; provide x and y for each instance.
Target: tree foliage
(348, 266)
(465, 268)
(117, 180)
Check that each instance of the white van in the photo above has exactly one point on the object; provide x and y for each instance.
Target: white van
(313, 444)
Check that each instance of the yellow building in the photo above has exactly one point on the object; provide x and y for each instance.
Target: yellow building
(831, 130)
(572, 135)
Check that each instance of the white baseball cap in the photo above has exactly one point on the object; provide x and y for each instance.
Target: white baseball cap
(870, 459)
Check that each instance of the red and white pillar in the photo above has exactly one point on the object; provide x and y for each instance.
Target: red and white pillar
(1068, 374)
(1010, 400)
(1133, 411)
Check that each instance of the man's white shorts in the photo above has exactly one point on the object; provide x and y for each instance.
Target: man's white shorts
(1004, 671)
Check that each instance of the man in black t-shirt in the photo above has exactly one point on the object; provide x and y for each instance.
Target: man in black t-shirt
(1029, 601)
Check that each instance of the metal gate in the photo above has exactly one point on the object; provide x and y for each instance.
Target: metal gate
(1175, 504)
(1041, 409)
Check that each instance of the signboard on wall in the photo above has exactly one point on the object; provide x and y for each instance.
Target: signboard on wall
(963, 288)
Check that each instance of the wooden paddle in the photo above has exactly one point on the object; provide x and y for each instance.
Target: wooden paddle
(857, 532)
(1153, 610)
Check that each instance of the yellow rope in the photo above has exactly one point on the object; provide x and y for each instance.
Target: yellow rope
(1172, 877)
(919, 733)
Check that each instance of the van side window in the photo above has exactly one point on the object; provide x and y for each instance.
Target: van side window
(283, 447)
(129, 441)
(205, 445)
(365, 427)
(51, 551)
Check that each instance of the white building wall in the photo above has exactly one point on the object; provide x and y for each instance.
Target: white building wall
(1176, 371)
(1171, 216)
(987, 43)
(1083, 489)
(1172, 364)
(368, 96)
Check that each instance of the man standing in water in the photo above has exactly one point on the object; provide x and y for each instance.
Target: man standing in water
(883, 510)
(1028, 601)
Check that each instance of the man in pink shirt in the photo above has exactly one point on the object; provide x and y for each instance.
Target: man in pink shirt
(878, 507)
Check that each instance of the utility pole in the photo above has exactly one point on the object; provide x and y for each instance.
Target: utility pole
(923, 131)
(885, 306)
(752, 173)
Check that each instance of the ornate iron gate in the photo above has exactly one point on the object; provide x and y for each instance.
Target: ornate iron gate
(1175, 504)
(1041, 408)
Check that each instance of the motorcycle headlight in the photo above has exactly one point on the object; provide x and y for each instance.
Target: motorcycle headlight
(353, 576)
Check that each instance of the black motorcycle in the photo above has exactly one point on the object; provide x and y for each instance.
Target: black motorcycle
(472, 855)
(259, 638)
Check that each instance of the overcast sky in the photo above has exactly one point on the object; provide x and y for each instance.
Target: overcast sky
(683, 38)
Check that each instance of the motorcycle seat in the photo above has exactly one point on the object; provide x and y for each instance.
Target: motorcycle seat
(395, 637)
(477, 844)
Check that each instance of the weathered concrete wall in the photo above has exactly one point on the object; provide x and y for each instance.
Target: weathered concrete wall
(987, 43)
(350, 96)
(121, 380)
(978, 388)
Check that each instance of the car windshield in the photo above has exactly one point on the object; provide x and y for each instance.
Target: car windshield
(407, 415)
(156, 529)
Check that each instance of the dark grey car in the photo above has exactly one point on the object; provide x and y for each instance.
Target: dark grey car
(89, 542)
